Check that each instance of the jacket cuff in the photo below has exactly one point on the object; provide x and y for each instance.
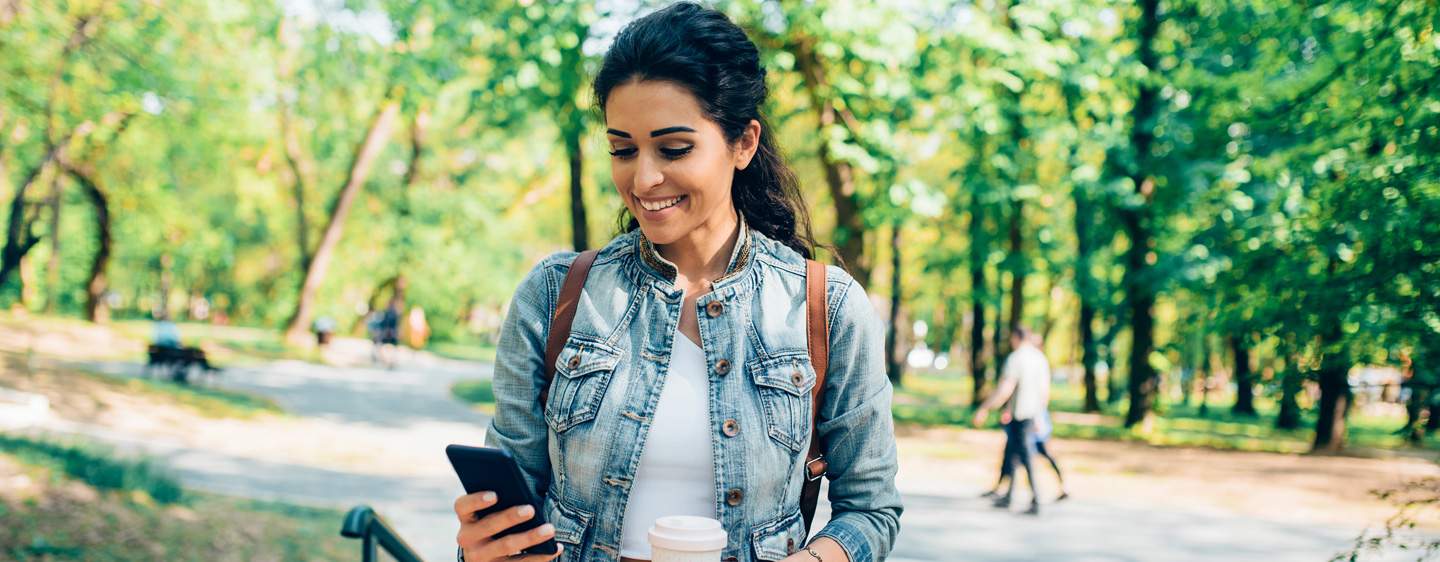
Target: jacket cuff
(850, 537)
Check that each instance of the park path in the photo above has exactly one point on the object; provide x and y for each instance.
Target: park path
(409, 412)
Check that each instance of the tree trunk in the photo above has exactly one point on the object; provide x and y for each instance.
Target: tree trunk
(1017, 266)
(1208, 367)
(20, 237)
(1087, 358)
(579, 227)
(95, 308)
(1335, 392)
(296, 331)
(1290, 384)
(1139, 288)
(896, 337)
(52, 269)
(999, 337)
(304, 171)
(1085, 288)
(839, 175)
(977, 298)
(1244, 379)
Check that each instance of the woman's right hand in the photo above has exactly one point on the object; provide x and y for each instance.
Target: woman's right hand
(477, 535)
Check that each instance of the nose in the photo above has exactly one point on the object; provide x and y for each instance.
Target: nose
(647, 174)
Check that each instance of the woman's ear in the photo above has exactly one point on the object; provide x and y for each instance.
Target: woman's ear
(749, 143)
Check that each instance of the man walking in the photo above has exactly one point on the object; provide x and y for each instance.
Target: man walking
(1024, 391)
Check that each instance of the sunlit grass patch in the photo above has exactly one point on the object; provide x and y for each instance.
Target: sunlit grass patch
(73, 501)
(477, 392)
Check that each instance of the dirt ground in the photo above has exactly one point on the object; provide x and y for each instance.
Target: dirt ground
(1283, 487)
(1312, 489)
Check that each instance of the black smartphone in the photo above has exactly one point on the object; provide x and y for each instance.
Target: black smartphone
(483, 469)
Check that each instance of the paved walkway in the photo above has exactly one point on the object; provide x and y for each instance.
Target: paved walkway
(411, 409)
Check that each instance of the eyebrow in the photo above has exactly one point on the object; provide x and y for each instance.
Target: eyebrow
(653, 134)
(668, 130)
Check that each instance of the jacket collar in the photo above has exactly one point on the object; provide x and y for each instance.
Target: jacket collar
(739, 257)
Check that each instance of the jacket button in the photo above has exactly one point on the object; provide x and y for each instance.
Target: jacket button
(715, 308)
(722, 366)
(798, 379)
(734, 497)
(574, 362)
(790, 546)
(731, 428)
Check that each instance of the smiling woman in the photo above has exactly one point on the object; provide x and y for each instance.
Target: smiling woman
(686, 384)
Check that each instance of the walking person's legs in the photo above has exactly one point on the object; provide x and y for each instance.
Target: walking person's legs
(1040, 448)
(1019, 449)
(994, 493)
(1020, 452)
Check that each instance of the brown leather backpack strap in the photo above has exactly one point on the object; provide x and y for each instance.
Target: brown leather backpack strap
(817, 326)
(565, 315)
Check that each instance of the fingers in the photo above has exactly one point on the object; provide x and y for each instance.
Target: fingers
(466, 506)
(521, 541)
(496, 523)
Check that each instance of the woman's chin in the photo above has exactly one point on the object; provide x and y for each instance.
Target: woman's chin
(659, 234)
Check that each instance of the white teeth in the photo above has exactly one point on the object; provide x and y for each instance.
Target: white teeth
(656, 206)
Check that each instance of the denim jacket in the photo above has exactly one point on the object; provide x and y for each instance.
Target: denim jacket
(582, 449)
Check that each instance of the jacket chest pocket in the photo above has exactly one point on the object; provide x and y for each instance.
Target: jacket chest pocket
(784, 382)
(584, 370)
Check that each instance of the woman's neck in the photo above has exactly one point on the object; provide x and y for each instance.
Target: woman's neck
(703, 255)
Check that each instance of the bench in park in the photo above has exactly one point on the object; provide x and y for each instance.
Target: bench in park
(178, 362)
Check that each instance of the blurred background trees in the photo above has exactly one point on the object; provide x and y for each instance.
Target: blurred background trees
(1233, 202)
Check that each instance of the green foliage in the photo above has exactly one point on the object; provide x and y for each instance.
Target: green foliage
(1288, 193)
(476, 392)
(96, 465)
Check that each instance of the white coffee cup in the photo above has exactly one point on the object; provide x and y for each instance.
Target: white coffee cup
(686, 538)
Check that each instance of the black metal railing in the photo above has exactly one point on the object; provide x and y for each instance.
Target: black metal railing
(364, 524)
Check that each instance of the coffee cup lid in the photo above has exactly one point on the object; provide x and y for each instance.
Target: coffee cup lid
(687, 533)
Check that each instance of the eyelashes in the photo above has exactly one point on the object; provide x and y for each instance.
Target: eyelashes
(668, 153)
(675, 153)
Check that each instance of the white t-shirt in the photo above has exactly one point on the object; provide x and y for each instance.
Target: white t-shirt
(677, 468)
(1031, 371)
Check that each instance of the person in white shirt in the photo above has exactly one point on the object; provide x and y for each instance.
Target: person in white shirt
(1024, 390)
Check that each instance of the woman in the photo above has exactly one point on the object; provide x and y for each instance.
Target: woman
(684, 387)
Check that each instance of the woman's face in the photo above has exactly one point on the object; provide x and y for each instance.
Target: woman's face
(671, 164)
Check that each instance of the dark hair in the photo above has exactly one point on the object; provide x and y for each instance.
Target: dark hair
(706, 54)
(1022, 331)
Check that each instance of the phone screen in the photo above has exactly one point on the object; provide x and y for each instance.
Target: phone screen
(483, 469)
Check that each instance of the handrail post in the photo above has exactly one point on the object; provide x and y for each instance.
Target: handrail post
(374, 533)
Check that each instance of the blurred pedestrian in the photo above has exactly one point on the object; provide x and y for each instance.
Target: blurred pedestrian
(1043, 430)
(167, 334)
(387, 335)
(1024, 392)
(419, 330)
(324, 328)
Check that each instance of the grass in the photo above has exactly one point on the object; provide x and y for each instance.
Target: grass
(944, 399)
(94, 464)
(208, 401)
(63, 501)
(476, 392)
(462, 351)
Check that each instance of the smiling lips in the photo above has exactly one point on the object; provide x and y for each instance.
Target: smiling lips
(660, 204)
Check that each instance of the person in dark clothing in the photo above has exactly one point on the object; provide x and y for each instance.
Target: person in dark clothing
(1041, 436)
(1024, 392)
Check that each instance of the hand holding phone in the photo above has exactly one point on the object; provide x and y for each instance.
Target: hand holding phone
(499, 515)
